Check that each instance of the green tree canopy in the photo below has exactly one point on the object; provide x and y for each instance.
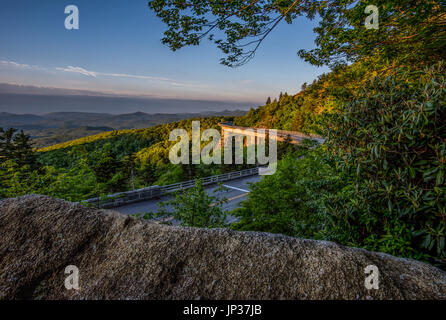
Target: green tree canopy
(194, 208)
(238, 27)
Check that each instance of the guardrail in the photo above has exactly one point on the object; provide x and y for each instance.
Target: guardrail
(123, 198)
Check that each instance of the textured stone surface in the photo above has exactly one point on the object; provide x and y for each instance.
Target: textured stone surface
(124, 258)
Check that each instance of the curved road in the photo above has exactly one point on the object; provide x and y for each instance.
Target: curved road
(235, 192)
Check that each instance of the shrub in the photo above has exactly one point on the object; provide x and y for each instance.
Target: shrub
(291, 201)
(392, 136)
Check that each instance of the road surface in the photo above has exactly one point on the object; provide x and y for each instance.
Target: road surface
(235, 192)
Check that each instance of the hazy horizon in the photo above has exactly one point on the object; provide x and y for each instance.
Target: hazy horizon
(17, 99)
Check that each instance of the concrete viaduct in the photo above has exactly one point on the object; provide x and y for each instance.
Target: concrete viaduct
(296, 137)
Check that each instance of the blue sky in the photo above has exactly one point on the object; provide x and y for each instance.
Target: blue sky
(118, 49)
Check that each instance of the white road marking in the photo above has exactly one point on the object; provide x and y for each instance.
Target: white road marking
(231, 199)
(235, 188)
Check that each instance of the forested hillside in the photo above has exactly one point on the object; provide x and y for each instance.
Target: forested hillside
(57, 127)
(304, 111)
(379, 181)
(101, 164)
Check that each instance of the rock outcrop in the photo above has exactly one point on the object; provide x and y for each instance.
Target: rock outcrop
(120, 257)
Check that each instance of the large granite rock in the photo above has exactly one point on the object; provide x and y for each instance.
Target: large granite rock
(121, 257)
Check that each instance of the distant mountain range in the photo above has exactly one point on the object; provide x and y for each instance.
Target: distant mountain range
(36, 110)
(57, 127)
(42, 100)
(135, 120)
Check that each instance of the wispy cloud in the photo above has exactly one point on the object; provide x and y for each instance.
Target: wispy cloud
(19, 65)
(125, 75)
(95, 74)
(143, 77)
(14, 64)
(78, 70)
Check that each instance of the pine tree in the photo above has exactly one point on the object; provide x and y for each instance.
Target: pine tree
(298, 122)
(107, 166)
(195, 208)
(23, 153)
(7, 147)
(189, 169)
(129, 164)
(147, 174)
(268, 101)
(2, 142)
